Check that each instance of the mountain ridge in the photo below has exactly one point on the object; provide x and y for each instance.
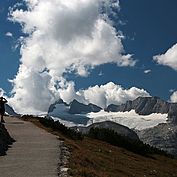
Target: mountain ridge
(143, 106)
(120, 129)
(76, 107)
(146, 106)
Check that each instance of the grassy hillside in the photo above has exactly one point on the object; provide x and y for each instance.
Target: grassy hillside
(98, 159)
(94, 158)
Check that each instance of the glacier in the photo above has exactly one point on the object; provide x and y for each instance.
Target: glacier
(129, 119)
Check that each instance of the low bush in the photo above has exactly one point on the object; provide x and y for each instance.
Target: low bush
(103, 134)
(115, 139)
(57, 126)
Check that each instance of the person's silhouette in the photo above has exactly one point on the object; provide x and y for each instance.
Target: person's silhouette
(2, 108)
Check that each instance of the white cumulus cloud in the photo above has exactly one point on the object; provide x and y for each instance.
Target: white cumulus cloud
(2, 92)
(147, 71)
(103, 95)
(62, 36)
(9, 34)
(169, 58)
(31, 91)
(173, 97)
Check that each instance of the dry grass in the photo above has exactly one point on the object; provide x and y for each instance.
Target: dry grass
(93, 158)
(96, 158)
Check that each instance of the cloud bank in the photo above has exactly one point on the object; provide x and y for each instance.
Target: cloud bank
(103, 95)
(62, 37)
(169, 58)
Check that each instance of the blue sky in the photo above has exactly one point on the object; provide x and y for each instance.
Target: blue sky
(149, 28)
(152, 25)
(9, 62)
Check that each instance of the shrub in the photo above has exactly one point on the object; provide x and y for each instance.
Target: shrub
(57, 126)
(115, 139)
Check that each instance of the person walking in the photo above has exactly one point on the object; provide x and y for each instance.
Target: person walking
(2, 108)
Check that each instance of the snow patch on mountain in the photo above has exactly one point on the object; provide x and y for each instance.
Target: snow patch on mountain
(61, 113)
(129, 119)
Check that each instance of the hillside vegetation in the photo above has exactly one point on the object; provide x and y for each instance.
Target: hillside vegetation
(90, 157)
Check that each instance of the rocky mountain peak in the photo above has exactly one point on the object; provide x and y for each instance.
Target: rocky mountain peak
(77, 107)
(53, 106)
(146, 106)
(120, 129)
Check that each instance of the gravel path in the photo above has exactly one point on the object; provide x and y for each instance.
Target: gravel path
(34, 154)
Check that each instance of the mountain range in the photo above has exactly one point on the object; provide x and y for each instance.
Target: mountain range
(141, 105)
(78, 108)
(120, 129)
(146, 106)
(153, 119)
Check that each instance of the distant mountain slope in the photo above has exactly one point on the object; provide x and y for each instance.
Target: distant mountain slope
(163, 136)
(60, 111)
(74, 107)
(53, 106)
(144, 114)
(78, 108)
(120, 129)
(10, 111)
(79, 113)
(146, 106)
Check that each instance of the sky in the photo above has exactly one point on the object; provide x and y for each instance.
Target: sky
(99, 51)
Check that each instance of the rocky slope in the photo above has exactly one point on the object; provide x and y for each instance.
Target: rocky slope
(163, 136)
(120, 129)
(146, 106)
(79, 113)
(60, 111)
(75, 107)
(53, 106)
(78, 108)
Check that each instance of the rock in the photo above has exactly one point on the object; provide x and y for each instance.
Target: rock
(53, 106)
(61, 110)
(162, 136)
(120, 129)
(77, 108)
(146, 106)
(172, 113)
